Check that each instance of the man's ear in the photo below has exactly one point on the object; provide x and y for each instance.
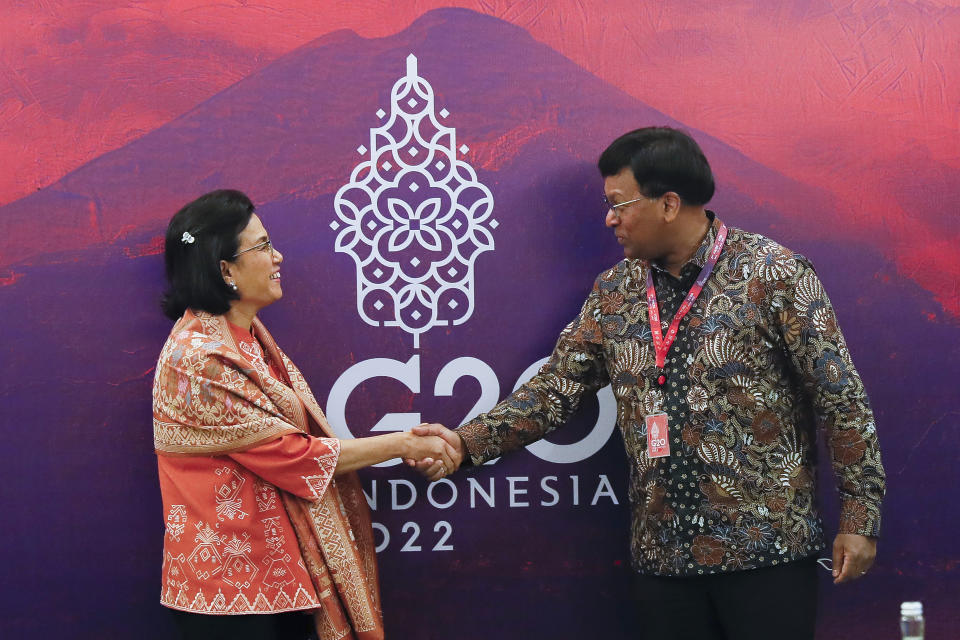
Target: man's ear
(671, 203)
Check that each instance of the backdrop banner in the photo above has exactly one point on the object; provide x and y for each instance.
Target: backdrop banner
(434, 192)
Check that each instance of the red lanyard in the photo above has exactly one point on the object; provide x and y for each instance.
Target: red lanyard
(660, 344)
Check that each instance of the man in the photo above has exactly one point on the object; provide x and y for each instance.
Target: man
(718, 399)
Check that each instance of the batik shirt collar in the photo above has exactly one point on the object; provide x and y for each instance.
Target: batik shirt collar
(700, 257)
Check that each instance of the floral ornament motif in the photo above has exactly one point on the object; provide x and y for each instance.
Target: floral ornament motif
(765, 427)
(832, 372)
(707, 550)
(677, 556)
(848, 446)
(774, 263)
(721, 350)
(630, 359)
(790, 326)
(697, 398)
(718, 313)
(756, 291)
(711, 325)
(724, 473)
(186, 238)
(611, 302)
(613, 324)
(713, 425)
(853, 516)
(811, 301)
(652, 402)
(690, 436)
(414, 217)
(754, 535)
(776, 503)
(749, 314)
(414, 225)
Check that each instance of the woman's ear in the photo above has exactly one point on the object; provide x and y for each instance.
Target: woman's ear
(225, 271)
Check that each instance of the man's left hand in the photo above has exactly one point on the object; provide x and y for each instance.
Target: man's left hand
(853, 556)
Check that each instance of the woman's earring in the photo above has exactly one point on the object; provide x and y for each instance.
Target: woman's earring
(232, 285)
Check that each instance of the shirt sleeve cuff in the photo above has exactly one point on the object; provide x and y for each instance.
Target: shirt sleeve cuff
(473, 442)
(860, 517)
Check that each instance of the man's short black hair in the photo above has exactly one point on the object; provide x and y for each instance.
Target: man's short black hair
(662, 160)
(214, 221)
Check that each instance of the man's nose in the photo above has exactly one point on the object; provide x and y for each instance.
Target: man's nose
(612, 219)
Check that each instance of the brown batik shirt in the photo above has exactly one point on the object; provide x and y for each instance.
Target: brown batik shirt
(758, 365)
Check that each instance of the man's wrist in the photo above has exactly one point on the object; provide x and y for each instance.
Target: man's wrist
(465, 458)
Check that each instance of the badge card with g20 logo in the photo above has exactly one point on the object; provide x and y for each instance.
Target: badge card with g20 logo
(658, 436)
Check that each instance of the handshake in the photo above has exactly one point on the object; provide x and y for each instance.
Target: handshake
(433, 450)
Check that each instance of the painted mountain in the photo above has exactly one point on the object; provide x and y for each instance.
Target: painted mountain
(82, 330)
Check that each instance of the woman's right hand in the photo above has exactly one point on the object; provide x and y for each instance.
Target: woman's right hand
(356, 453)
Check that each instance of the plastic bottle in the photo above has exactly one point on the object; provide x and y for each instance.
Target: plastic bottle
(911, 620)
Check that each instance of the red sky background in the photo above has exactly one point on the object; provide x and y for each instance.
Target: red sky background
(859, 98)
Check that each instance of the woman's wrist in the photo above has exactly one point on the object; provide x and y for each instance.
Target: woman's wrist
(402, 446)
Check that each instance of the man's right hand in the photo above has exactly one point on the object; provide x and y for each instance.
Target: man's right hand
(431, 469)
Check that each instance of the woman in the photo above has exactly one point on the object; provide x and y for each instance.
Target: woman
(264, 515)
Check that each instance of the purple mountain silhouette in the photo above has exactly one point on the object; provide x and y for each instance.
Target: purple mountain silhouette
(295, 126)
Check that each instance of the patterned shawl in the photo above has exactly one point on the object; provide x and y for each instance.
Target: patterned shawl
(209, 401)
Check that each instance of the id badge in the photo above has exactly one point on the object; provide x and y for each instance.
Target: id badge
(658, 437)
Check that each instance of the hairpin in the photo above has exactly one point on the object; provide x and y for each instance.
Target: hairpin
(186, 238)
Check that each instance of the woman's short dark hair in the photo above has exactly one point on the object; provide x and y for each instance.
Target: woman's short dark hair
(662, 160)
(213, 222)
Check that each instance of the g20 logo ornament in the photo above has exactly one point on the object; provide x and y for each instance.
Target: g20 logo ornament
(414, 217)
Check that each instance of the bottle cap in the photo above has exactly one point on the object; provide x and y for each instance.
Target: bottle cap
(911, 608)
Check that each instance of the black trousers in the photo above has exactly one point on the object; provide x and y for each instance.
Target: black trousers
(293, 625)
(774, 602)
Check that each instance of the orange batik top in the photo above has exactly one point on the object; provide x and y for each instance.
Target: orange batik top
(255, 522)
